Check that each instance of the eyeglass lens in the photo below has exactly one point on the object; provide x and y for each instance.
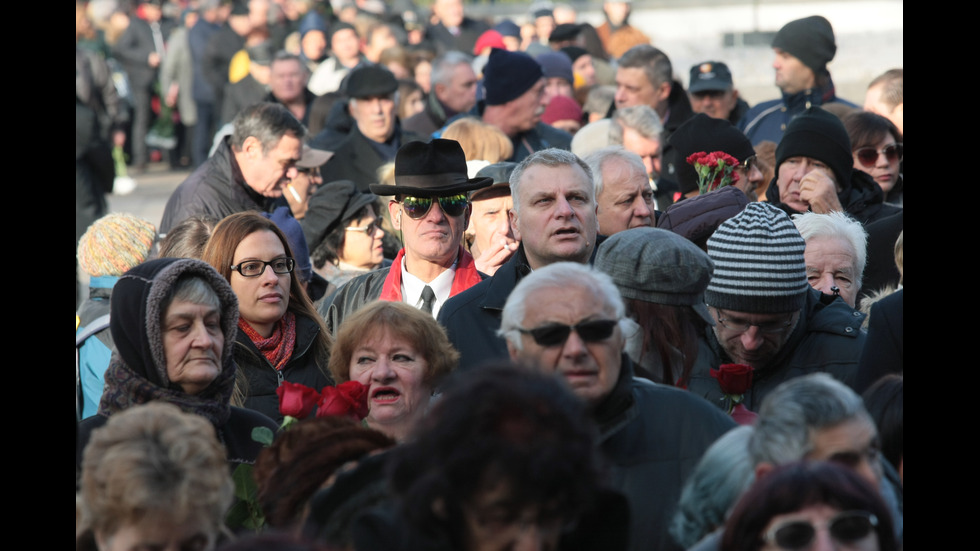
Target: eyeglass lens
(253, 268)
(868, 156)
(417, 207)
(555, 334)
(845, 527)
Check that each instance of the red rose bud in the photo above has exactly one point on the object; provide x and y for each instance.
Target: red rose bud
(296, 400)
(734, 379)
(345, 399)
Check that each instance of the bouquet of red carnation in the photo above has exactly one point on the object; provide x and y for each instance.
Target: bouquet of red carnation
(297, 401)
(735, 380)
(715, 170)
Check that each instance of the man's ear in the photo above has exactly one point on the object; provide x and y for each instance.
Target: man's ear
(664, 92)
(252, 147)
(512, 350)
(512, 217)
(395, 212)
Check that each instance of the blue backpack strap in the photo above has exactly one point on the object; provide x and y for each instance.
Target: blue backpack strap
(96, 325)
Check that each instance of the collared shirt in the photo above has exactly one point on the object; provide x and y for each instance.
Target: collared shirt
(442, 285)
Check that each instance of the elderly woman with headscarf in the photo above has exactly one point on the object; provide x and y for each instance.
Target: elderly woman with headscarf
(174, 323)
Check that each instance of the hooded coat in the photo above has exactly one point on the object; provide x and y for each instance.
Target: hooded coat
(137, 372)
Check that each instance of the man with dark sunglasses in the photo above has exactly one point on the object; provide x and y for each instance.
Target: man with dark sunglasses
(431, 209)
(815, 172)
(567, 318)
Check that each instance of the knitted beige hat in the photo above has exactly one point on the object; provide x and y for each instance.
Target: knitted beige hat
(115, 243)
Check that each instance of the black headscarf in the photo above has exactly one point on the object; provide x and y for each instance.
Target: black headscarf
(137, 372)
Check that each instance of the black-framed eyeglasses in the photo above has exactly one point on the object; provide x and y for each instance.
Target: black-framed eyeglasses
(418, 207)
(845, 527)
(741, 325)
(868, 156)
(370, 229)
(555, 334)
(255, 268)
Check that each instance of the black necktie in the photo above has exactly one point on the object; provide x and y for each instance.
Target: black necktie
(428, 298)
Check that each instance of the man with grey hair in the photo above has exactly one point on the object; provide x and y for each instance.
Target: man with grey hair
(622, 190)
(766, 314)
(453, 85)
(817, 418)
(288, 77)
(639, 130)
(554, 217)
(836, 252)
(645, 76)
(565, 318)
(246, 172)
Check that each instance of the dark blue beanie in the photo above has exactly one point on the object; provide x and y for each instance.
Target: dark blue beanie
(507, 75)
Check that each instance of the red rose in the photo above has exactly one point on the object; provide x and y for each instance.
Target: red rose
(296, 400)
(694, 157)
(348, 398)
(734, 379)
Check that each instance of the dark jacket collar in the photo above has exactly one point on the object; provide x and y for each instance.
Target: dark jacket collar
(614, 410)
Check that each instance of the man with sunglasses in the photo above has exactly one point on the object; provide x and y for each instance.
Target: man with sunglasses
(431, 209)
(566, 318)
(766, 314)
(815, 172)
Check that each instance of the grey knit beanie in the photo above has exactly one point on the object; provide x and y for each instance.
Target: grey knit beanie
(759, 266)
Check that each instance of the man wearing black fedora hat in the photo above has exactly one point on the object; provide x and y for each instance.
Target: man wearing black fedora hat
(376, 133)
(431, 209)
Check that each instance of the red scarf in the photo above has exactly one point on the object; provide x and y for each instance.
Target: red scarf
(278, 348)
(465, 277)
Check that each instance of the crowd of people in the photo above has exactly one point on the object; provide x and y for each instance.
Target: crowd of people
(445, 282)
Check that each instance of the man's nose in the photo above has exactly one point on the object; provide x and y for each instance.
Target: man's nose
(752, 338)
(574, 346)
(435, 214)
(824, 283)
(642, 209)
(291, 173)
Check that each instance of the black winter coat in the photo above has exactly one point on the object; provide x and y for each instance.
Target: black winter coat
(828, 338)
(263, 379)
(215, 189)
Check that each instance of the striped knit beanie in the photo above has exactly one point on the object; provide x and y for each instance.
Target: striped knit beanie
(115, 243)
(759, 266)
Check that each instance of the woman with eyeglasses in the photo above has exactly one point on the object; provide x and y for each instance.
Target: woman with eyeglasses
(878, 150)
(280, 335)
(811, 506)
(343, 231)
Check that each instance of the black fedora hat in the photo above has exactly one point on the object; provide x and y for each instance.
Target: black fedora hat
(433, 169)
